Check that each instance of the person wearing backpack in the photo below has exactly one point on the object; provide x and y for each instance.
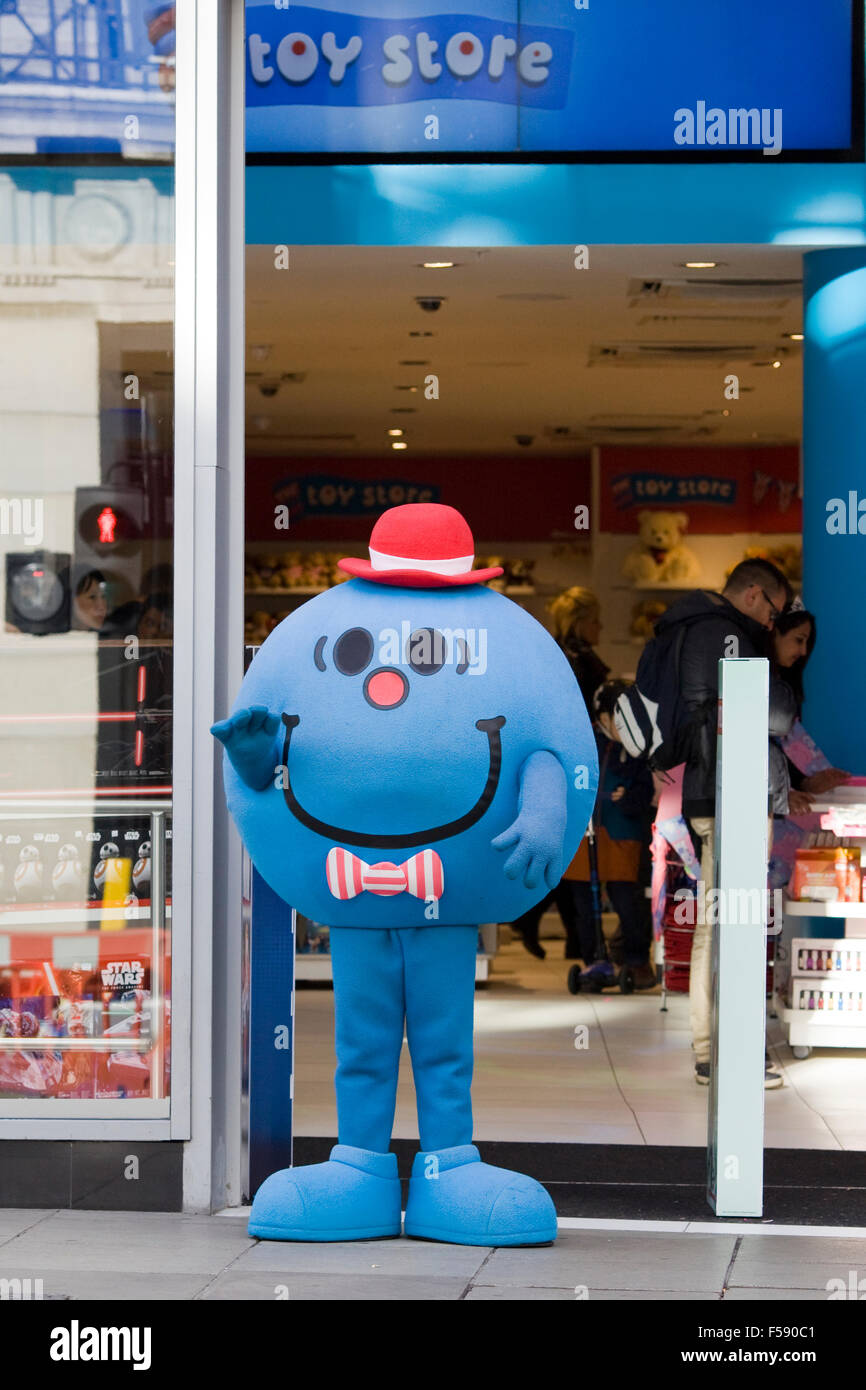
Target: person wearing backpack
(625, 793)
(670, 716)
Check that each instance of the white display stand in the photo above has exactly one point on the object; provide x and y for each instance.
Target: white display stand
(318, 967)
(735, 1131)
(827, 1025)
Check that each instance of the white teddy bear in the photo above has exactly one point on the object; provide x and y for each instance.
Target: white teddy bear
(660, 556)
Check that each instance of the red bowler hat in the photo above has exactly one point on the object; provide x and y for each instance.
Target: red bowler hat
(422, 545)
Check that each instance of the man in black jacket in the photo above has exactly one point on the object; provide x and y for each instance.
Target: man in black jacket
(735, 623)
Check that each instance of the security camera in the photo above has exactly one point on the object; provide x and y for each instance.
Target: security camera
(524, 440)
(269, 388)
(430, 303)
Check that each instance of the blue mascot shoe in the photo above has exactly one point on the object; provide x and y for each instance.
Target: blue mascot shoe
(454, 1197)
(354, 1196)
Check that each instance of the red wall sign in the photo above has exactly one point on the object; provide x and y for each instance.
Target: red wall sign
(721, 489)
(503, 499)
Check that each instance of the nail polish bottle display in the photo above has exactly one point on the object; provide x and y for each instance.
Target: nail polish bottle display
(841, 1000)
(838, 965)
(820, 999)
(810, 964)
(811, 999)
(801, 960)
(850, 1000)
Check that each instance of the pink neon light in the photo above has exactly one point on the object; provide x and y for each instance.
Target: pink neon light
(139, 747)
(141, 683)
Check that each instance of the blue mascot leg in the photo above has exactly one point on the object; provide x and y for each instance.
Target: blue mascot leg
(369, 1012)
(453, 1196)
(355, 1195)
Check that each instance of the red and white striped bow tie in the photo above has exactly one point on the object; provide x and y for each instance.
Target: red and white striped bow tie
(422, 875)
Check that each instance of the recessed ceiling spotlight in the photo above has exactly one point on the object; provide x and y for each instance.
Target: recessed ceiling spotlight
(777, 363)
(701, 265)
(395, 432)
(437, 265)
(795, 337)
(726, 412)
(399, 444)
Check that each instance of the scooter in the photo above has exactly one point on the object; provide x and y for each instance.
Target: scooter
(602, 974)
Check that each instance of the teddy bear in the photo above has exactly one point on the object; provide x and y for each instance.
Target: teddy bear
(661, 556)
(644, 616)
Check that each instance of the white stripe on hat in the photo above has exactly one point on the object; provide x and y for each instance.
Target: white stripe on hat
(462, 564)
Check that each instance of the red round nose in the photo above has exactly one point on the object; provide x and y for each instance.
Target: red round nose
(386, 688)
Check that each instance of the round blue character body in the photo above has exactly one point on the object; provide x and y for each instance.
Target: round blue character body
(397, 734)
(408, 752)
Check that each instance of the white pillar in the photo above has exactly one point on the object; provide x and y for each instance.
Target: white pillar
(208, 636)
(735, 1138)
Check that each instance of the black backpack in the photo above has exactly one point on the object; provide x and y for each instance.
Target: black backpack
(650, 716)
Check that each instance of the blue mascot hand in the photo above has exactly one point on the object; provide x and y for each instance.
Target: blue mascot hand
(536, 836)
(249, 740)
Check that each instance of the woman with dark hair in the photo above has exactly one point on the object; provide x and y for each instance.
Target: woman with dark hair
(793, 641)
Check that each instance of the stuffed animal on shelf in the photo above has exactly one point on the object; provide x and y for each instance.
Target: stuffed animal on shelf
(409, 756)
(661, 555)
(644, 616)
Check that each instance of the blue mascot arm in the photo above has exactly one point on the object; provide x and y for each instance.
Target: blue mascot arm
(536, 837)
(249, 738)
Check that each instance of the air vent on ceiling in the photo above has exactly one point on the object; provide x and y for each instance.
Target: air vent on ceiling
(774, 293)
(674, 354)
(284, 378)
(752, 320)
(647, 427)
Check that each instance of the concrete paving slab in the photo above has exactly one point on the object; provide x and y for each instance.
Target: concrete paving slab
(110, 1285)
(770, 1262)
(487, 1293)
(396, 1257)
(146, 1242)
(372, 1286)
(617, 1261)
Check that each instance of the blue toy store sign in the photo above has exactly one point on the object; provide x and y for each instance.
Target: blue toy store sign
(379, 62)
(567, 78)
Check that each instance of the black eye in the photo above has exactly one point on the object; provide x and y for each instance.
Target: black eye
(427, 651)
(353, 651)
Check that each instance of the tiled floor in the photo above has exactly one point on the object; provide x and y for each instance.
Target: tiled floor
(106, 1256)
(633, 1083)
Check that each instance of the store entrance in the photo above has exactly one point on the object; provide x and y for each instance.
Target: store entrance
(620, 428)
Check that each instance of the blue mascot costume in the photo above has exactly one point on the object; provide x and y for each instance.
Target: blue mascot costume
(409, 756)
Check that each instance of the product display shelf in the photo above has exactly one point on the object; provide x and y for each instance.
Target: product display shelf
(807, 1000)
(316, 965)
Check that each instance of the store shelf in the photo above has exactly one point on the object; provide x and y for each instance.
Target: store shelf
(42, 917)
(313, 968)
(796, 908)
(319, 967)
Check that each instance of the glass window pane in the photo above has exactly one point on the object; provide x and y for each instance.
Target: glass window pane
(86, 567)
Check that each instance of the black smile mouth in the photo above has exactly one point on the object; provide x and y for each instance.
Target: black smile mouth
(490, 727)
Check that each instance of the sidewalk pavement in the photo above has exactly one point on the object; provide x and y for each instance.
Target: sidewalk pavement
(99, 1255)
